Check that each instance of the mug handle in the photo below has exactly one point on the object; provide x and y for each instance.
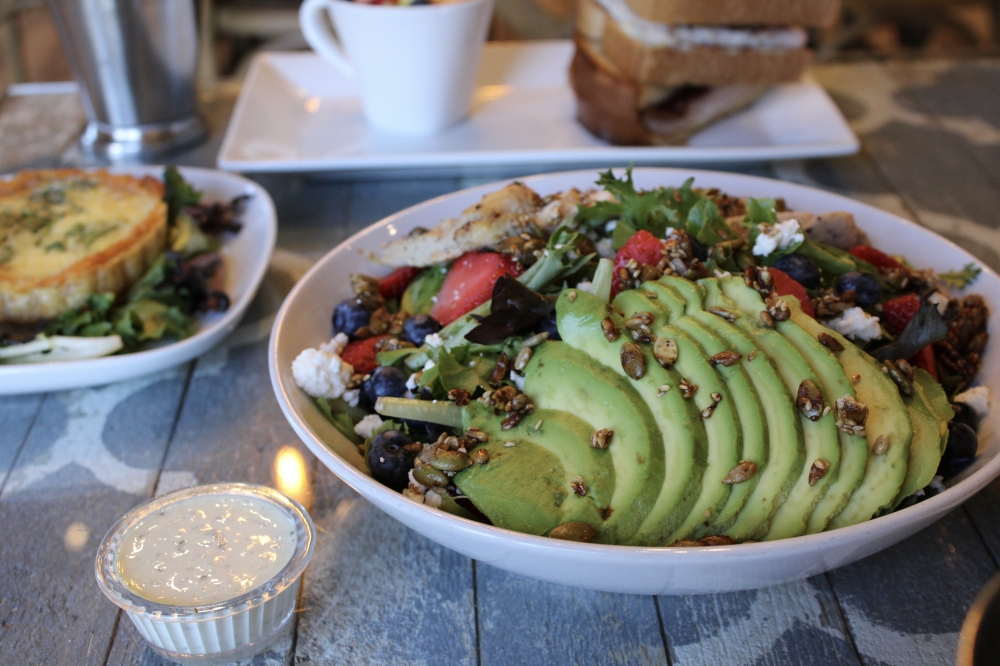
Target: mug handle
(315, 28)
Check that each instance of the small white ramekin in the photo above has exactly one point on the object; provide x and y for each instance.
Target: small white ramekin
(220, 632)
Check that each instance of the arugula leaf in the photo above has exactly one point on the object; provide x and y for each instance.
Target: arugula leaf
(177, 193)
(926, 327)
(706, 224)
(340, 420)
(418, 297)
(623, 231)
(559, 263)
(641, 210)
(761, 211)
(961, 279)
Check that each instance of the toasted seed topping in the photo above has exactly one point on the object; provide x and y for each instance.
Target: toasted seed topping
(855, 379)
(717, 540)
(536, 339)
(571, 296)
(686, 543)
(499, 372)
(722, 312)
(643, 334)
(777, 308)
(751, 356)
(881, 445)
(573, 532)
(851, 415)
(602, 438)
(907, 369)
(766, 319)
(639, 319)
(650, 294)
(818, 471)
(826, 410)
(745, 470)
(481, 456)
(523, 356)
(899, 376)
(830, 342)
(726, 358)
(688, 388)
(708, 411)
(509, 445)
(665, 352)
(633, 362)
(609, 329)
(810, 401)
(450, 461)
(716, 398)
(579, 487)
(511, 420)
(460, 397)
(663, 388)
(538, 426)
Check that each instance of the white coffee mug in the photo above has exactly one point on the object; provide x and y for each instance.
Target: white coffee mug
(416, 66)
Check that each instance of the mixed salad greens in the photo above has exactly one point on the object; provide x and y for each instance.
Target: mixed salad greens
(163, 304)
(591, 374)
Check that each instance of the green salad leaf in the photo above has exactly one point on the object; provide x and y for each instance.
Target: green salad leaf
(419, 295)
(962, 278)
(339, 418)
(177, 193)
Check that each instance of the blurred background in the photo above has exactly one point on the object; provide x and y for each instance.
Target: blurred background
(232, 30)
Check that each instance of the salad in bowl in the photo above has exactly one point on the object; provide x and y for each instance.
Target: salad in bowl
(662, 367)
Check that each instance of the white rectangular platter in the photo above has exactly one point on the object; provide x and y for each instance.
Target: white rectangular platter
(297, 113)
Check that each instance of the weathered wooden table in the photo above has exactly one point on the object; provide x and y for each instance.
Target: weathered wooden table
(71, 463)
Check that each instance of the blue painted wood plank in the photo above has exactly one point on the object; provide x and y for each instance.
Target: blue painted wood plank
(17, 413)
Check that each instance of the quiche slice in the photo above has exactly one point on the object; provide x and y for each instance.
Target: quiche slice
(66, 234)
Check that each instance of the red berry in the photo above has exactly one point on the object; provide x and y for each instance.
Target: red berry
(876, 258)
(899, 311)
(361, 354)
(395, 283)
(784, 285)
(925, 359)
(469, 284)
(644, 248)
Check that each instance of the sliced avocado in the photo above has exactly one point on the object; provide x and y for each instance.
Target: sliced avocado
(820, 436)
(929, 430)
(725, 438)
(887, 416)
(786, 449)
(835, 385)
(748, 407)
(560, 377)
(565, 436)
(579, 322)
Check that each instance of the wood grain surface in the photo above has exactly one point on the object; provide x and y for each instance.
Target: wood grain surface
(376, 593)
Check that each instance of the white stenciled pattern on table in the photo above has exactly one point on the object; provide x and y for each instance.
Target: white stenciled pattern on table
(887, 646)
(82, 442)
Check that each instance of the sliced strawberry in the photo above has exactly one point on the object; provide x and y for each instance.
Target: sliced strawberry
(925, 359)
(395, 283)
(876, 258)
(469, 284)
(784, 285)
(361, 354)
(899, 311)
(644, 248)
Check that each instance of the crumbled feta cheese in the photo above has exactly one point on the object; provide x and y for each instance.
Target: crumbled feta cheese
(977, 397)
(368, 426)
(722, 274)
(584, 286)
(322, 373)
(428, 365)
(432, 498)
(413, 496)
(778, 236)
(412, 382)
(604, 248)
(351, 397)
(856, 324)
(336, 344)
(941, 300)
(433, 341)
(414, 484)
(937, 483)
(610, 226)
(518, 381)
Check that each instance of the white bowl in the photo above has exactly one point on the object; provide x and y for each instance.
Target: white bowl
(304, 321)
(245, 257)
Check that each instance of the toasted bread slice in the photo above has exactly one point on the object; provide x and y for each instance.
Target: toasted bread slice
(810, 13)
(621, 111)
(67, 234)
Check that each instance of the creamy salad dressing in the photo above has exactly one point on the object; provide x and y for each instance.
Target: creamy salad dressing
(205, 549)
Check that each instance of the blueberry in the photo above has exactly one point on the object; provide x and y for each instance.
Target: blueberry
(349, 316)
(962, 442)
(801, 269)
(548, 325)
(866, 287)
(418, 327)
(388, 461)
(385, 382)
(949, 468)
(699, 249)
(965, 414)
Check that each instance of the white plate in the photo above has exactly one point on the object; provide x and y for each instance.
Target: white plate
(297, 113)
(304, 321)
(245, 254)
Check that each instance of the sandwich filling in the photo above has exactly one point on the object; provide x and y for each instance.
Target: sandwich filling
(685, 37)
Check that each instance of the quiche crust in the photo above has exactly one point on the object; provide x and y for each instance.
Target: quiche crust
(50, 266)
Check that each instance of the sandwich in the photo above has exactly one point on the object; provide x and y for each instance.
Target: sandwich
(653, 72)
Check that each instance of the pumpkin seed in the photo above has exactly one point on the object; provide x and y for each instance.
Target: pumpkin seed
(742, 472)
(665, 352)
(633, 361)
(450, 461)
(430, 476)
(609, 329)
(481, 456)
(726, 358)
(523, 356)
(810, 400)
(818, 471)
(581, 532)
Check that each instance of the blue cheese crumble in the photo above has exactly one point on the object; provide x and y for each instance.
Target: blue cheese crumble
(780, 236)
(323, 374)
(856, 324)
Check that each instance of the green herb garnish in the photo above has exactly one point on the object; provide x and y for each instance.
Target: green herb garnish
(961, 279)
